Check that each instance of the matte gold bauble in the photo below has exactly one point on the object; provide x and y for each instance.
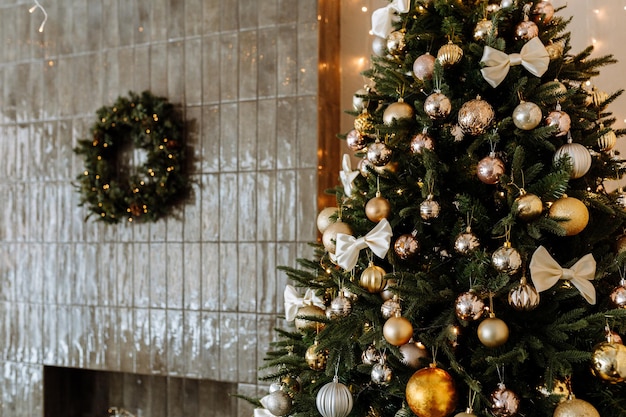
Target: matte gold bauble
(437, 106)
(364, 123)
(493, 332)
(528, 207)
(424, 66)
(467, 413)
(397, 331)
(325, 218)
(449, 54)
(571, 213)
(575, 407)
(397, 111)
(316, 358)
(303, 324)
(387, 293)
(577, 155)
(377, 208)
(329, 237)
(430, 392)
(373, 279)
(490, 169)
(523, 297)
(608, 362)
(406, 246)
(527, 115)
(475, 116)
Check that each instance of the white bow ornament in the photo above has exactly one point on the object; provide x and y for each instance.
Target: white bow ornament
(262, 412)
(382, 19)
(293, 301)
(545, 272)
(347, 175)
(533, 56)
(348, 247)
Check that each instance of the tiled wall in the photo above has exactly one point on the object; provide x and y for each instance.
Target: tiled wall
(194, 295)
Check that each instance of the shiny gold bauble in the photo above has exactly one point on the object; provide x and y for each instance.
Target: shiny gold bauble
(430, 392)
(475, 116)
(578, 156)
(468, 306)
(437, 106)
(449, 54)
(506, 259)
(607, 141)
(329, 237)
(575, 408)
(555, 50)
(303, 324)
(373, 279)
(324, 218)
(364, 123)
(397, 331)
(379, 154)
(528, 207)
(340, 306)
(397, 111)
(493, 332)
(608, 362)
(391, 308)
(483, 29)
(377, 208)
(466, 242)
(526, 30)
(406, 246)
(543, 12)
(573, 212)
(490, 169)
(396, 43)
(316, 358)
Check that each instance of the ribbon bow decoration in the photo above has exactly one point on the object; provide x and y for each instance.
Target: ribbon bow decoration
(262, 412)
(348, 247)
(382, 19)
(293, 301)
(347, 175)
(533, 56)
(545, 272)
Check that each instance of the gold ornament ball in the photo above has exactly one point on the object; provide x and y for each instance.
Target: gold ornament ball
(303, 324)
(397, 111)
(507, 259)
(468, 306)
(324, 218)
(467, 413)
(377, 208)
(397, 331)
(573, 211)
(607, 141)
(396, 43)
(483, 29)
(555, 50)
(278, 403)
(364, 123)
(429, 208)
(391, 308)
(559, 388)
(329, 237)
(406, 246)
(437, 106)
(575, 408)
(449, 54)
(475, 116)
(493, 332)
(466, 242)
(373, 279)
(315, 358)
(430, 392)
(608, 362)
(529, 207)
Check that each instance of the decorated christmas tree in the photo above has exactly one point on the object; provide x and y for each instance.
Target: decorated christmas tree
(474, 263)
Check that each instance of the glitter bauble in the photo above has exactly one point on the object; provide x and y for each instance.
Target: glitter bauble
(397, 111)
(526, 30)
(523, 297)
(559, 388)
(506, 259)
(575, 407)
(377, 208)
(397, 331)
(370, 356)
(543, 12)
(607, 141)
(618, 296)
(316, 358)
(312, 311)
(329, 237)
(406, 246)
(527, 115)
(437, 106)
(489, 169)
(391, 308)
(340, 306)
(608, 362)
(278, 403)
(429, 208)
(334, 399)
(571, 213)
(325, 218)
(468, 306)
(493, 332)
(355, 140)
(449, 54)
(560, 121)
(373, 279)
(364, 123)
(381, 374)
(577, 155)
(424, 66)
(483, 29)
(466, 242)
(475, 116)
(430, 392)
(421, 141)
(528, 207)
(378, 154)
(414, 355)
(379, 46)
(396, 43)
(504, 402)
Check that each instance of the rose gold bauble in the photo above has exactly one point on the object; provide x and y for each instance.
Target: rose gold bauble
(430, 392)
(324, 218)
(329, 237)
(543, 12)
(355, 140)
(489, 169)
(618, 296)
(493, 332)
(437, 106)
(475, 116)
(571, 213)
(378, 154)
(559, 120)
(373, 279)
(526, 30)
(424, 66)
(377, 208)
(421, 141)
(575, 407)
(504, 402)
(406, 246)
(466, 242)
(397, 331)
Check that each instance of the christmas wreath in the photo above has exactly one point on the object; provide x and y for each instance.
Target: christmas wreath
(140, 127)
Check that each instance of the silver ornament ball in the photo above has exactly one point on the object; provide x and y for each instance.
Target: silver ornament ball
(370, 356)
(381, 374)
(334, 399)
(489, 169)
(379, 46)
(466, 243)
(429, 208)
(339, 307)
(414, 355)
(391, 308)
(523, 297)
(278, 403)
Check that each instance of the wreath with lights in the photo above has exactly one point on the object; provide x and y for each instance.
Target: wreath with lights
(115, 192)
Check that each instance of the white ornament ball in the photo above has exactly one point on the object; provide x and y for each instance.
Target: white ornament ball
(527, 115)
(278, 403)
(334, 399)
(579, 157)
(379, 46)
(324, 218)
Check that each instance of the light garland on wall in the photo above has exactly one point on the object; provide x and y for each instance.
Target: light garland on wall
(45, 14)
